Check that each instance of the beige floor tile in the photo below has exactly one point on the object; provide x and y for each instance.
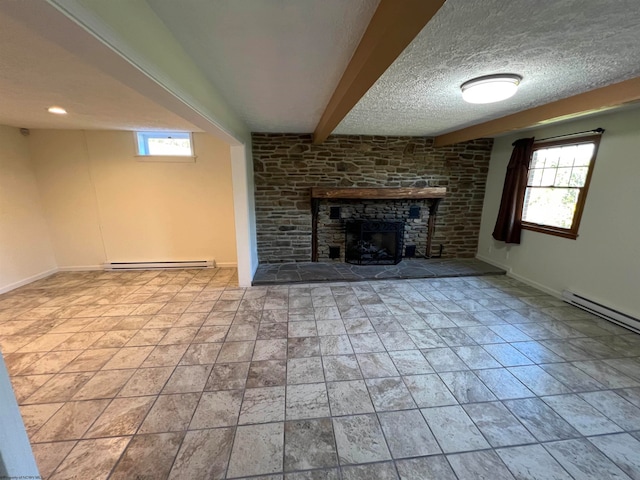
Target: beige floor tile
(80, 341)
(16, 362)
(52, 362)
(71, 421)
(95, 458)
(23, 387)
(194, 459)
(45, 343)
(60, 387)
(34, 416)
(146, 381)
(165, 355)
(49, 455)
(130, 357)
(170, 413)
(188, 378)
(201, 354)
(114, 339)
(148, 457)
(104, 384)
(91, 360)
(123, 416)
(217, 409)
(147, 336)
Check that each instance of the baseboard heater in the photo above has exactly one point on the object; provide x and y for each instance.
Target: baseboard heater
(159, 265)
(622, 319)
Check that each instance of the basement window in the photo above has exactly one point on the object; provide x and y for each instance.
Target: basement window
(559, 176)
(165, 144)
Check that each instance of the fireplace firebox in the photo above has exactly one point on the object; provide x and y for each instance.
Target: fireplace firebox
(372, 242)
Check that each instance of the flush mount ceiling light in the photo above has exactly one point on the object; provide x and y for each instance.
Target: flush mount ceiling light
(57, 110)
(490, 88)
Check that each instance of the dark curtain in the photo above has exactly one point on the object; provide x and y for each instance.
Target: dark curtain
(509, 222)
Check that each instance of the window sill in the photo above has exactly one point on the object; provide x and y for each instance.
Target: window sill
(558, 232)
(166, 158)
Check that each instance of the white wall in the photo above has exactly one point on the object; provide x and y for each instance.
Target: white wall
(245, 213)
(104, 205)
(603, 264)
(26, 252)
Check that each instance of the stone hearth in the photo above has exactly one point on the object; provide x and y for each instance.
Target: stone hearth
(310, 272)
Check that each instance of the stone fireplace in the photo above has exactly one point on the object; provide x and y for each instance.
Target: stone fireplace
(288, 166)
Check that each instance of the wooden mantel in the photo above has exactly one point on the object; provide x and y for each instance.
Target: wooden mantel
(400, 193)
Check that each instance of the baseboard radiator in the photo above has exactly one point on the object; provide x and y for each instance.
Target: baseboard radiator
(607, 313)
(159, 265)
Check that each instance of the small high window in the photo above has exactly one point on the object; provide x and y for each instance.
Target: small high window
(172, 144)
(559, 175)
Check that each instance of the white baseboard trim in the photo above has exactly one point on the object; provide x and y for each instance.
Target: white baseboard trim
(491, 261)
(226, 265)
(25, 281)
(534, 284)
(81, 268)
(523, 279)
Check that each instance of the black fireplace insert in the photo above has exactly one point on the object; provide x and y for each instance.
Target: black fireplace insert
(373, 242)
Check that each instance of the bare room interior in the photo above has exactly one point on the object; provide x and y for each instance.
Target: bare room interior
(319, 240)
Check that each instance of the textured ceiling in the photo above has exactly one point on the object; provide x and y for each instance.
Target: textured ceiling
(276, 62)
(36, 74)
(560, 47)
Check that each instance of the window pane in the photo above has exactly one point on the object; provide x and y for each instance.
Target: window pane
(563, 176)
(535, 176)
(568, 154)
(553, 157)
(550, 206)
(538, 159)
(548, 177)
(584, 154)
(169, 146)
(579, 176)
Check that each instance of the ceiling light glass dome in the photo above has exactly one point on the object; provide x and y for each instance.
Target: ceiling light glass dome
(490, 88)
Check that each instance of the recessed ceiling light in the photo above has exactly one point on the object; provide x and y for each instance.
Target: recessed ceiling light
(57, 110)
(490, 88)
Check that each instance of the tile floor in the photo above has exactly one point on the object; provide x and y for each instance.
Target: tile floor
(182, 375)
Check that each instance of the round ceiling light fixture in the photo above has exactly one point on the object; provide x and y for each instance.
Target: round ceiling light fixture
(490, 88)
(57, 110)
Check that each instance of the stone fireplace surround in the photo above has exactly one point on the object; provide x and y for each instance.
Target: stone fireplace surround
(287, 166)
(375, 204)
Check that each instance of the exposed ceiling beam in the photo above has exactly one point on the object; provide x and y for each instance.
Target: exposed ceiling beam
(595, 100)
(393, 26)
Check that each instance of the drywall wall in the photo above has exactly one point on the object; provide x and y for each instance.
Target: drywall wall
(603, 264)
(245, 213)
(69, 200)
(103, 204)
(26, 253)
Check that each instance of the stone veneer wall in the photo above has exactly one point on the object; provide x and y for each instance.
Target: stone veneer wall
(286, 166)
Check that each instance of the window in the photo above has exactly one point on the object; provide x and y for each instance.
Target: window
(172, 144)
(559, 175)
